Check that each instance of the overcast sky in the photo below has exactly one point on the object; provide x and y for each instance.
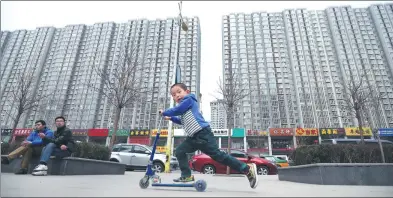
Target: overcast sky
(29, 15)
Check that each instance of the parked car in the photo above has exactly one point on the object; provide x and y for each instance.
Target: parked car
(282, 157)
(204, 164)
(279, 162)
(136, 157)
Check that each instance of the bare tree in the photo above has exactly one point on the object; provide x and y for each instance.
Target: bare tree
(233, 92)
(121, 84)
(24, 96)
(360, 96)
(376, 103)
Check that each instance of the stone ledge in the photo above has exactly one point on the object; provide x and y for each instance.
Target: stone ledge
(70, 166)
(80, 166)
(367, 174)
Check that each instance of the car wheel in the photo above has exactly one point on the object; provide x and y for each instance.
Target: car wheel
(209, 169)
(158, 167)
(263, 170)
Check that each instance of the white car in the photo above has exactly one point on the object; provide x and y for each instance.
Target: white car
(136, 157)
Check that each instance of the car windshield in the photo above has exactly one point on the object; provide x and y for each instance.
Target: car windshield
(271, 159)
(281, 158)
(151, 148)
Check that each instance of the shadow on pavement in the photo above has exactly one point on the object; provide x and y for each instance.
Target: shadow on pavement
(190, 189)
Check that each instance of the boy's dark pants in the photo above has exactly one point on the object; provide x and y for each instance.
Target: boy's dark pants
(205, 141)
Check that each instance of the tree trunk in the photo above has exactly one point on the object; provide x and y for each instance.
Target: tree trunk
(16, 121)
(115, 127)
(258, 145)
(230, 127)
(380, 147)
(360, 121)
(229, 148)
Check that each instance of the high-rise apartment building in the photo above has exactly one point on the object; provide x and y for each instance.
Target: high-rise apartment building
(64, 59)
(294, 64)
(218, 115)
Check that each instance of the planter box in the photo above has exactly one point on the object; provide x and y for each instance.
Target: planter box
(53, 166)
(80, 166)
(367, 174)
(70, 166)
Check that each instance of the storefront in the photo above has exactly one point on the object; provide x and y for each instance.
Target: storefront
(221, 136)
(238, 139)
(386, 134)
(257, 142)
(98, 136)
(121, 136)
(282, 140)
(79, 135)
(332, 133)
(5, 135)
(354, 133)
(161, 143)
(306, 136)
(139, 136)
(20, 135)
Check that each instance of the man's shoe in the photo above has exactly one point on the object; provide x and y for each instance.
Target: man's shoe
(5, 160)
(252, 175)
(40, 170)
(39, 173)
(185, 179)
(22, 171)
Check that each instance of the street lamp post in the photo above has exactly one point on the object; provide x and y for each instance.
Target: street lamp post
(169, 150)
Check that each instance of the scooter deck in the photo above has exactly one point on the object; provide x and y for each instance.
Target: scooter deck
(174, 184)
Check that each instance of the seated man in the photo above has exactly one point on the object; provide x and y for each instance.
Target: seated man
(61, 146)
(31, 146)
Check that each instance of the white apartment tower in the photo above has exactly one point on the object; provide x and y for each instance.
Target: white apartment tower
(218, 115)
(294, 63)
(63, 60)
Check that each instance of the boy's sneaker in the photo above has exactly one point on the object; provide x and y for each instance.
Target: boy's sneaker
(252, 175)
(185, 179)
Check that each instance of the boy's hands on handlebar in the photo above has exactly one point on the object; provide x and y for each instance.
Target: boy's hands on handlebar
(165, 117)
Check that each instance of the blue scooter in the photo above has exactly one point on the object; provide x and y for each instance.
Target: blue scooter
(199, 185)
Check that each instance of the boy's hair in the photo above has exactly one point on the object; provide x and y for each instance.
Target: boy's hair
(41, 121)
(181, 85)
(60, 117)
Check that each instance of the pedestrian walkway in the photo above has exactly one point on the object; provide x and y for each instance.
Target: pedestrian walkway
(127, 186)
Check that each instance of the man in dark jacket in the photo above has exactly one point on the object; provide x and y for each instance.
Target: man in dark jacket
(31, 146)
(61, 146)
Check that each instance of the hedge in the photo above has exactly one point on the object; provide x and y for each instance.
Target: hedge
(341, 153)
(88, 150)
(91, 150)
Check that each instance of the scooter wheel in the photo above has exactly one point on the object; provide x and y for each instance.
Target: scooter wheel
(200, 185)
(144, 183)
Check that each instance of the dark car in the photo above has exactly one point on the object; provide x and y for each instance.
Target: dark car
(204, 164)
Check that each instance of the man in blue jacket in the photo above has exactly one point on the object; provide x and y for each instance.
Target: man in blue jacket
(32, 145)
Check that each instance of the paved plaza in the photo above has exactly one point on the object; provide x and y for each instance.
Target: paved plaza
(127, 186)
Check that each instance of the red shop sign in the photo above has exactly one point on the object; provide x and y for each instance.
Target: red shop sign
(22, 132)
(98, 132)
